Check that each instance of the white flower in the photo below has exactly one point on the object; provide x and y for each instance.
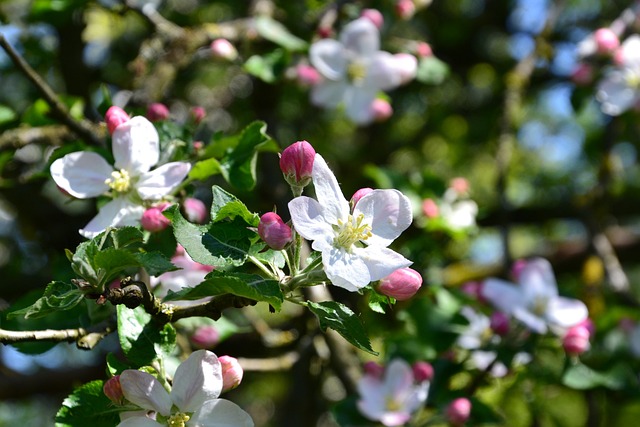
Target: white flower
(353, 245)
(354, 70)
(535, 302)
(619, 90)
(456, 211)
(192, 402)
(191, 273)
(394, 397)
(136, 149)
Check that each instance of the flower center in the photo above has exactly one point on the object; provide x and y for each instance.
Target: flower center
(356, 71)
(632, 79)
(120, 181)
(539, 306)
(178, 420)
(351, 232)
(391, 404)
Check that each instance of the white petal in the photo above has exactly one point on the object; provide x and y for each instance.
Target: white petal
(631, 51)
(345, 270)
(161, 181)
(139, 422)
(119, 212)
(615, 94)
(307, 218)
(357, 104)
(380, 261)
(388, 212)
(145, 391)
(372, 400)
(82, 174)
(398, 377)
(503, 295)
(220, 413)
(537, 280)
(566, 312)
(361, 37)
(385, 71)
(328, 94)
(533, 322)
(334, 206)
(197, 379)
(328, 57)
(136, 145)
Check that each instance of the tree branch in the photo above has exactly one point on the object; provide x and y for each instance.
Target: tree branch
(85, 339)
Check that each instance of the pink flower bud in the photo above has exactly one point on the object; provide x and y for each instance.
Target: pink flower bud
(205, 337)
(198, 145)
(307, 75)
(324, 32)
(373, 369)
(458, 411)
(113, 390)
(423, 50)
(157, 112)
(407, 66)
(194, 210)
(359, 195)
(618, 57)
(296, 163)
(152, 219)
(576, 340)
(198, 114)
(422, 371)
(381, 110)
(374, 16)
(606, 40)
(473, 289)
(114, 117)
(588, 323)
(499, 323)
(274, 231)
(460, 185)
(231, 372)
(583, 74)
(223, 49)
(405, 9)
(402, 284)
(430, 208)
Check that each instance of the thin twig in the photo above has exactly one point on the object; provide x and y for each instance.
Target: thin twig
(85, 339)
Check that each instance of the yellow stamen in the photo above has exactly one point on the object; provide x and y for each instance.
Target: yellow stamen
(351, 232)
(356, 72)
(120, 181)
(632, 79)
(178, 420)
(391, 404)
(539, 306)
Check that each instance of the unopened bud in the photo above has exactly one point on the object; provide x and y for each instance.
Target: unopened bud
(157, 112)
(359, 195)
(373, 369)
(296, 163)
(460, 185)
(422, 371)
(223, 49)
(275, 233)
(430, 208)
(458, 411)
(153, 220)
(402, 284)
(423, 50)
(381, 110)
(373, 15)
(516, 269)
(606, 40)
(307, 75)
(499, 323)
(583, 74)
(405, 9)
(231, 372)
(194, 210)
(114, 117)
(205, 337)
(407, 66)
(198, 114)
(113, 390)
(576, 340)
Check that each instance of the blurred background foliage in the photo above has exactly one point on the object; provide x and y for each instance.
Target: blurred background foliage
(546, 168)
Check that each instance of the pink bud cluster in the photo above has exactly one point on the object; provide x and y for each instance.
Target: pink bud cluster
(296, 163)
(576, 340)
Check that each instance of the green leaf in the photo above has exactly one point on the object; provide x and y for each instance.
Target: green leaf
(204, 169)
(115, 366)
(58, 296)
(245, 285)
(155, 263)
(111, 261)
(378, 302)
(142, 340)
(225, 205)
(267, 67)
(274, 258)
(274, 31)
(6, 115)
(431, 70)
(341, 319)
(582, 377)
(124, 237)
(87, 405)
(239, 166)
(82, 261)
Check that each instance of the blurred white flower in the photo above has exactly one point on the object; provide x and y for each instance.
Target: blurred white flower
(619, 90)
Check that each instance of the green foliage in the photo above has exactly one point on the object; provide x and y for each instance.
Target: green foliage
(267, 68)
(58, 296)
(342, 319)
(582, 377)
(274, 31)
(143, 340)
(87, 405)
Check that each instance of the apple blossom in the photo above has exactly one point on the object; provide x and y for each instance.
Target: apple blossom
(157, 112)
(619, 89)
(198, 114)
(458, 411)
(114, 117)
(354, 70)
(232, 372)
(606, 40)
(393, 398)
(359, 195)
(407, 65)
(535, 301)
(457, 211)
(353, 244)
(423, 50)
(402, 284)
(296, 163)
(193, 399)
(405, 9)
(136, 149)
(275, 233)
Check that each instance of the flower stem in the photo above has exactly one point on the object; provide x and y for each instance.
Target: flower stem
(262, 267)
